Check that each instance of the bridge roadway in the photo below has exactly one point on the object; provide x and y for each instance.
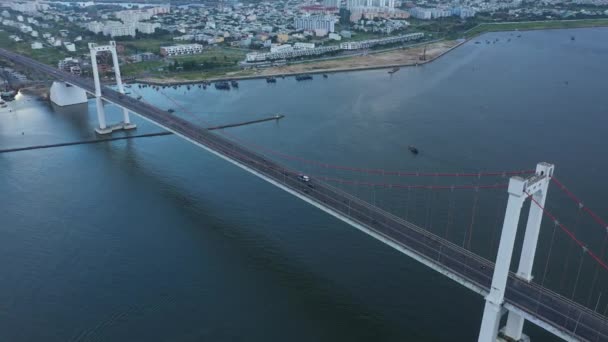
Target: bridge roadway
(559, 315)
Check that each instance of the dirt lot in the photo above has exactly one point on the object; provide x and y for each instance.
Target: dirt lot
(409, 56)
(401, 57)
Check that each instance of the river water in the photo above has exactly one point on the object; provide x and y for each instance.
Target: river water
(154, 239)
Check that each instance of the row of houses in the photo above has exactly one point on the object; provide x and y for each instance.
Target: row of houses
(434, 13)
(180, 50)
(366, 44)
(288, 51)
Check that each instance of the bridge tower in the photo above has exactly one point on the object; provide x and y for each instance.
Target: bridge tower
(519, 190)
(101, 115)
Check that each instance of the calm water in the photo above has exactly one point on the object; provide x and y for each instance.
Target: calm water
(157, 240)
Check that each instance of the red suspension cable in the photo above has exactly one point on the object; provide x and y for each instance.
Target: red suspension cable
(595, 217)
(356, 169)
(407, 186)
(569, 233)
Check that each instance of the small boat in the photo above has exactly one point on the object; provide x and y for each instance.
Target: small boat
(303, 77)
(234, 84)
(477, 42)
(324, 75)
(139, 97)
(413, 149)
(171, 110)
(222, 85)
(572, 38)
(393, 70)
(128, 86)
(271, 80)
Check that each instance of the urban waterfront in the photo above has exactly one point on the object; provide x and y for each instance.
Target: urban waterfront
(155, 239)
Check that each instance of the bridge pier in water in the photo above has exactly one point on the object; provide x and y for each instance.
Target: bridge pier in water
(101, 115)
(519, 190)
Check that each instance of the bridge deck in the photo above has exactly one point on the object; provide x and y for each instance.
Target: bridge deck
(563, 317)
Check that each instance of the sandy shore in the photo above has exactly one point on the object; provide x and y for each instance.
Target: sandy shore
(394, 58)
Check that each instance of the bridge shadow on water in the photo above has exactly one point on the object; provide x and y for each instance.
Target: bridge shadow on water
(306, 288)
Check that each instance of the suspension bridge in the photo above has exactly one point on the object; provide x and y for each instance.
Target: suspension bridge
(518, 295)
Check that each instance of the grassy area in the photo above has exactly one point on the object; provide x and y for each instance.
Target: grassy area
(145, 45)
(212, 59)
(48, 55)
(215, 54)
(219, 59)
(134, 69)
(535, 25)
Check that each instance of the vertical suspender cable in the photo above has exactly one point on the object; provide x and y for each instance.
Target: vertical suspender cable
(569, 252)
(473, 214)
(495, 229)
(578, 273)
(542, 283)
(407, 204)
(597, 270)
(450, 214)
(428, 209)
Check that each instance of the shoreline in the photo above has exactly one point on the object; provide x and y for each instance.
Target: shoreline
(555, 23)
(287, 74)
(467, 36)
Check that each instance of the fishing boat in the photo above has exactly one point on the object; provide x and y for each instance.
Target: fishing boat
(222, 85)
(8, 95)
(303, 77)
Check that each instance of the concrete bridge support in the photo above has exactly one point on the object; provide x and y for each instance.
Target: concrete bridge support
(519, 190)
(101, 116)
(515, 323)
(64, 94)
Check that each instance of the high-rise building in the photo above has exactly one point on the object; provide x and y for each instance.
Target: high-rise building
(311, 23)
(367, 4)
(332, 3)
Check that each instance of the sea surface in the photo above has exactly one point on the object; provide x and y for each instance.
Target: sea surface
(155, 239)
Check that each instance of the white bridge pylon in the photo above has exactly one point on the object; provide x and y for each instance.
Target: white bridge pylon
(519, 190)
(101, 115)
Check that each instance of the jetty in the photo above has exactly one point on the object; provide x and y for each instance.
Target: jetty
(275, 117)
